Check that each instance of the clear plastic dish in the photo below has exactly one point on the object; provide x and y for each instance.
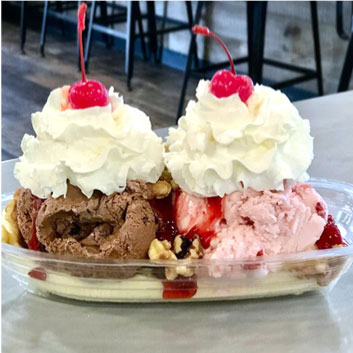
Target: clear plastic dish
(144, 280)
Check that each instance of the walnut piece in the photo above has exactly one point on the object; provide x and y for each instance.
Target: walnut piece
(188, 249)
(182, 249)
(167, 176)
(160, 250)
(160, 189)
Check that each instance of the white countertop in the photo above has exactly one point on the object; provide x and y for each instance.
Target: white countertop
(306, 323)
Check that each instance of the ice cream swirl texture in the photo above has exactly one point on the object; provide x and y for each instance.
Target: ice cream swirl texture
(222, 144)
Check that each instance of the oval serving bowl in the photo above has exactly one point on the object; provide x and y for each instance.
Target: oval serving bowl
(144, 280)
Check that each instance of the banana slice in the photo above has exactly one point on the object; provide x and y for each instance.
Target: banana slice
(10, 232)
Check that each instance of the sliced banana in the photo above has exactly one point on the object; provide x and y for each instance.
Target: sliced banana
(10, 232)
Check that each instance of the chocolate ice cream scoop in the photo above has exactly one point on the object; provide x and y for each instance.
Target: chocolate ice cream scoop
(119, 226)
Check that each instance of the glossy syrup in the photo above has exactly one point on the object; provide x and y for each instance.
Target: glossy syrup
(183, 288)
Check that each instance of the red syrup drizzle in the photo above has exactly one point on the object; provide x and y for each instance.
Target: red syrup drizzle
(38, 273)
(33, 243)
(164, 213)
(180, 288)
(330, 236)
(207, 232)
(183, 288)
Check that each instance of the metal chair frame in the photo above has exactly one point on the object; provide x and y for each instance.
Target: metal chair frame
(256, 17)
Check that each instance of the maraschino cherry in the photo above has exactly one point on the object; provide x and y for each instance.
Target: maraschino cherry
(86, 93)
(225, 83)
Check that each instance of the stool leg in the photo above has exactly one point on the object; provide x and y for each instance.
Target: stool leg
(44, 28)
(23, 25)
(256, 17)
(161, 35)
(89, 33)
(59, 8)
(188, 62)
(339, 21)
(104, 14)
(130, 41)
(141, 31)
(151, 13)
(191, 23)
(347, 67)
(315, 25)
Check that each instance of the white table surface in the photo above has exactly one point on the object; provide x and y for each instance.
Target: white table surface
(315, 324)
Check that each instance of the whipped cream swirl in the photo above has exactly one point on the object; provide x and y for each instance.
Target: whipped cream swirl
(97, 148)
(222, 144)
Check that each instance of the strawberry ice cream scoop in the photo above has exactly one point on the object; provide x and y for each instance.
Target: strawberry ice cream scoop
(269, 222)
(254, 223)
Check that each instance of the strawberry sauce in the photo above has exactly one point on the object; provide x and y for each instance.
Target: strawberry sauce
(208, 213)
(38, 273)
(331, 235)
(180, 288)
(166, 214)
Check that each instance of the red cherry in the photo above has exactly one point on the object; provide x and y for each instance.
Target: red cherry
(225, 83)
(86, 94)
(331, 235)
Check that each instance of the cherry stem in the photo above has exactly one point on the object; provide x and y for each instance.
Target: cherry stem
(81, 14)
(204, 31)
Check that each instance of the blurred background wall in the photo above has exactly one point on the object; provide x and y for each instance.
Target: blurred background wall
(288, 36)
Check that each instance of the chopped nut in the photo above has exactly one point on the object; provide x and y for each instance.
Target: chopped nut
(181, 246)
(174, 185)
(166, 176)
(196, 249)
(160, 250)
(160, 189)
(187, 249)
(178, 241)
(173, 272)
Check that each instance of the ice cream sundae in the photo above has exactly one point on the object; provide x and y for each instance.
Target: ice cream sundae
(228, 187)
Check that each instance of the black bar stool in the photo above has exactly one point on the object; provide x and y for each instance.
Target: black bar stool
(131, 14)
(160, 25)
(256, 17)
(347, 68)
(154, 30)
(56, 9)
